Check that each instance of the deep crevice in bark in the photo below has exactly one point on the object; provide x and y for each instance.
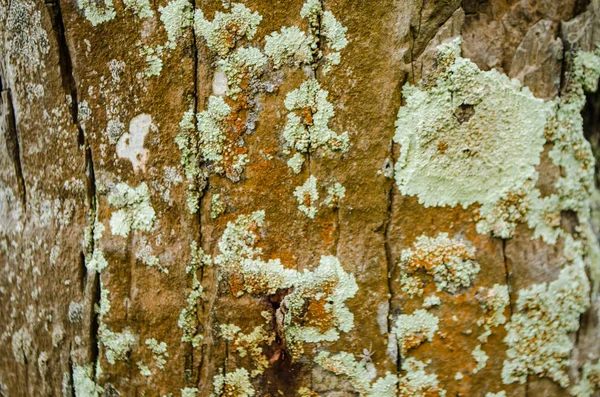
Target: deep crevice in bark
(507, 276)
(13, 144)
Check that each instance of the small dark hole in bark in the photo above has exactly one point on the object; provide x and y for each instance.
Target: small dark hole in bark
(464, 113)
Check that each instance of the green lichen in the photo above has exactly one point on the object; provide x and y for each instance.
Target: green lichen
(188, 319)
(335, 194)
(307, 196)
(243, 64)
(295, 162)
(431, 300)
(249, 344)
(94, 259)
(26, 41)
(233, 384)
(217, 207)
(450, 261)
(324, 289)
(494, 302)
(189, 392)
(135, 211)
(145, 255)
(480, 357)
(22, 346)
(153, 60)
(291, 47)
(345, 364)
(307, 126)
(97, 14)
(417, 382)
(176, 17)
(83, 383)
(141, 8)
(499, 394)
(117, 345)
(226, 29)
(590, 381)
(467, 136)
(414, 329)
(538, 334)
(159, 351)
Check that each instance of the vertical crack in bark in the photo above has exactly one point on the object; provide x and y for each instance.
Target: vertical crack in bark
(415, 32)
(96, 293)
(507, 276)
(13, 144)
(71, 371)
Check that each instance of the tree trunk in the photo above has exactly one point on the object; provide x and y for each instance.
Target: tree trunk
(299, 198)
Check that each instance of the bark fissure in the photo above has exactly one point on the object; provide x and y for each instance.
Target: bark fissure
(13, 143)
(507, 277)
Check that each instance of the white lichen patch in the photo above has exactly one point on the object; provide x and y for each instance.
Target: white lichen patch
(159, 352)
(414, 329)
(217, 206)
(451, 263)
(313, 311)
(307, 196)
(94, 259)
(417, 382)
(431, 301)
(295, 162)
(290, 47)
(22, 346)
(590, 381)
(307, 126)
(226, 29)
(75, 313)
(26, 40)
(335, 193)
(480, 357)
(97, 13)
(145, 255)
(141, 8)
(135, 211)
(494, 302)
(243, 65)
(130, 145)
(83, 382)
(468, 136)
(360, 377)
(233, 384)
(177, 16)
(250, 344)
(538, 335)
(189, 392)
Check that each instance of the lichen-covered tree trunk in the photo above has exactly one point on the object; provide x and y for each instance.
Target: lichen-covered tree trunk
(299, 198)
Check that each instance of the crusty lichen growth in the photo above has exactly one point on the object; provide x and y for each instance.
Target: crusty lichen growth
(135, 210)
(97, 14)
(117, 345)
(590, 381)
(307, 196)
(250, 344)
(494, 302)
(538, 334)
(176, 16)
(467, 136)
(188, 318)
(480, 357)
(335, 194)
(94, 257)
(217, 206)
(416, 382)
(159, 352)
(345, 364)
(414, 329)
(451, 263)
(313, 311)
(83, 383)
(307, 125)
(144, 254)
(233, 384)
(290, 47)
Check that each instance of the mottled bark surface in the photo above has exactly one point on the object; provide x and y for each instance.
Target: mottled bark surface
(83, 111)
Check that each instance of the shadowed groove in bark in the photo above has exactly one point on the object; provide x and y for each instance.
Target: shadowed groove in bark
(13, 144)
(507, 275)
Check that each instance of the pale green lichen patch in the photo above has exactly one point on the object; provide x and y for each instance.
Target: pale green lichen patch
(217, 206)
(94, 259)
(313, 311)
(451, 263)
(226, 29)
(233, 384)
(96, 13)
(26, 40)
(244, 65)
(494, 302)
(117, 345)
(345, 364)
(188, 319)
(499, 394)
(590, 381)
(22, 346)
(480, 357)
(538, 334)
(135, 211)
(417, 382)
(414, 329)
(145, 255)
(307, 196)
(290, 47)
(159, 351)
(83, 384)
(176, 17)
(141, 8)
(250, 344)
(307, 126)
(469, 136)
(189, 392)
(335, 193)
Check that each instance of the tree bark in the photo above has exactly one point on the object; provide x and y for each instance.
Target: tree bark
(197, 199)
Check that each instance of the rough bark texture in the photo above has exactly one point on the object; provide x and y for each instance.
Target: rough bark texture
(93, 98)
